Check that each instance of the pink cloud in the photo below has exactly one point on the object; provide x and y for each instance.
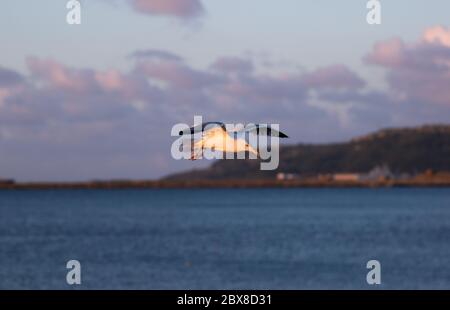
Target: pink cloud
(437, 35)
(110, 80)
(417, 71)
(81, 81)
(387, 53)
(58, 75)
(177, 8)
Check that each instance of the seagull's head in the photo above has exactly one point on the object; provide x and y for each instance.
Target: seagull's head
(184, 132)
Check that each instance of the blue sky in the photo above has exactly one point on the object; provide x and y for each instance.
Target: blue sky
(315, 69)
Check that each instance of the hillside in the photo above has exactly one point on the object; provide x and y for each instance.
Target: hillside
(403, 150)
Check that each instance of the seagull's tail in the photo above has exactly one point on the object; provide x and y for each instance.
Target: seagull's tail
(193, 157)
(196, 154)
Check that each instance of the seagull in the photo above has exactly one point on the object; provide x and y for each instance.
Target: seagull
(217, 138)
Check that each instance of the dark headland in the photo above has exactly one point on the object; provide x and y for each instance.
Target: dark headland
(402, 157)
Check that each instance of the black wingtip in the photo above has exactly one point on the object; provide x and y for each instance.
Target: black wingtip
(282, 135)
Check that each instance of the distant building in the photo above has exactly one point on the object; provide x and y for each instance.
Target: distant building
(346, 177)
(7, 182)
(325, 177)
(286, 176)
(379, 173)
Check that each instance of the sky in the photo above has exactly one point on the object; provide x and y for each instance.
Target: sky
(98, 100)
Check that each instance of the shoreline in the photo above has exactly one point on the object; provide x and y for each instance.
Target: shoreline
(159, 184)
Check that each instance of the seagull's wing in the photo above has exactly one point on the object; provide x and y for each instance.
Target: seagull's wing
(212, 138)
(258, 128)
(201, 128)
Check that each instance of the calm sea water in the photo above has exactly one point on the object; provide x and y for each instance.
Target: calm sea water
(225, 239)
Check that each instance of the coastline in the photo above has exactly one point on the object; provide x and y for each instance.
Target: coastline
(164, 184)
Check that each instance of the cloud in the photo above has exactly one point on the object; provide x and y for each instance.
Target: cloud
(56, 75)
(185, 9)
(418, 71)
(336, 76)
(176, 75)
(10, 83)
(389, 53)
(9, 77)
(116, 123)
(107, 116)
(437, 35)
(155, 54)
(233, 64)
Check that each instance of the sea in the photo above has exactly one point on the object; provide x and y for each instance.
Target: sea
(226, 238)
